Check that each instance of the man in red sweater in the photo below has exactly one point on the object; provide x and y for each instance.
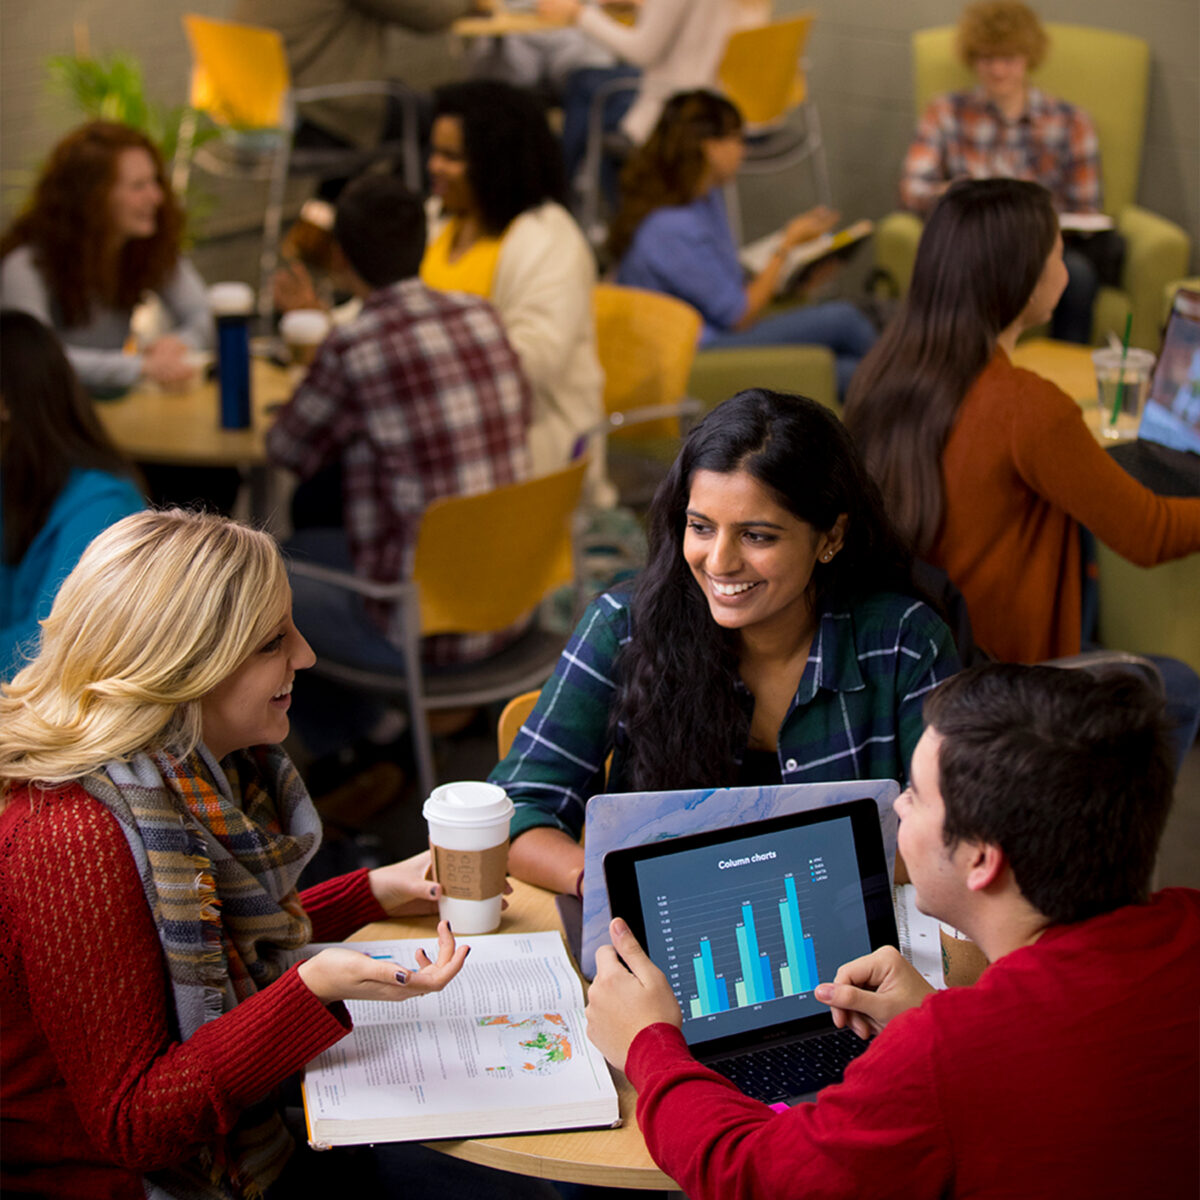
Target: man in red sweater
(1072, 1068)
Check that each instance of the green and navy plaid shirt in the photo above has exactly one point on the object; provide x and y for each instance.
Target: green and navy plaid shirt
(855, 715)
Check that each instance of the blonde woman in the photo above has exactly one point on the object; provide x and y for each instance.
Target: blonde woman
(150, 841)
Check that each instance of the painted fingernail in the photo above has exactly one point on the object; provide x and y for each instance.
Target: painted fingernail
(449, 927)
(433, 893)
(401, 976)
(468, 951)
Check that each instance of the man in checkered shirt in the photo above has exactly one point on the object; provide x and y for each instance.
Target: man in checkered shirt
(1007, 128)
(419, 397)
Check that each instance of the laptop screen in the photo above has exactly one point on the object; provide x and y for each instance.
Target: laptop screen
(745, 922)
(1172, 416)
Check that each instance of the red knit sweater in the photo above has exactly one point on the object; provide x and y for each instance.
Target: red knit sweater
(1020, 469)
(1071, 1069)
(95, 1088)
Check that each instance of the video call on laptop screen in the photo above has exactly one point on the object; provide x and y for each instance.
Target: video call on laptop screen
(747, 925)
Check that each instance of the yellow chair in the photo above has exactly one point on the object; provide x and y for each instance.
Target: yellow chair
(764, 73)
(645, 342)
(512, 718)
(1107, 75)
(240, 79)
(482, 562)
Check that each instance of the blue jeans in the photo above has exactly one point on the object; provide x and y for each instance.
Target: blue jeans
(835, 323)
(1072, 317)
(580, 87)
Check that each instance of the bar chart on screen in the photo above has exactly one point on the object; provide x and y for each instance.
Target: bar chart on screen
(743, 944)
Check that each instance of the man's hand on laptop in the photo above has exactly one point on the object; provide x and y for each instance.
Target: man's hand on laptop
(869, 991)
(626, 997)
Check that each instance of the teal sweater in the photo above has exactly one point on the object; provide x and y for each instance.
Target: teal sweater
(90, 502)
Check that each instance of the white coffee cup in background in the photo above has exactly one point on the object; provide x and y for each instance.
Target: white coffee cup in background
(304, 329)
(468, 835)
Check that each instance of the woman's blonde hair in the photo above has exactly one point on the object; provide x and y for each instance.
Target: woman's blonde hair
(999, 28)
(161, 608)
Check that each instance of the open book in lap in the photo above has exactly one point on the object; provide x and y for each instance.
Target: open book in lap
(754, 256)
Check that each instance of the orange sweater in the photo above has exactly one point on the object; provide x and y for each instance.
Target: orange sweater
(1020, 470)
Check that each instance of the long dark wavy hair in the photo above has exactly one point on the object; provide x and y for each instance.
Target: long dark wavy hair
(67, 223)
(978, 261)
(514, 161)
(668, 168)
(677, 702)
(49, 427)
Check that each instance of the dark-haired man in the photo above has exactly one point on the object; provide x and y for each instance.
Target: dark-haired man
(419, 397)
(1072, 1068)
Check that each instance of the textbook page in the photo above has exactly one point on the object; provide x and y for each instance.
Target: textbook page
(502, 1049)
(754, 256)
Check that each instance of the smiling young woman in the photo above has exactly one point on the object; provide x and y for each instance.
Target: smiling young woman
(774, 636)
(151, 836)
(102, 228)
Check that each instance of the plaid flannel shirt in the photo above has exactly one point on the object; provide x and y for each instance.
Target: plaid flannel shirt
(856, 713)
(962, 134)
(422, 397)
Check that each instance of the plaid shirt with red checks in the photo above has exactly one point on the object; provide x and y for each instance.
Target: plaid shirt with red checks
(422, 397)
(964, 135)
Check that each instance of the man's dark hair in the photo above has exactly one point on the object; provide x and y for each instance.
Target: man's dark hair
(380, 226)
(1069, 772)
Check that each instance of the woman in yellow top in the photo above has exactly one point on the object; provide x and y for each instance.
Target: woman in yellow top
(501, 230)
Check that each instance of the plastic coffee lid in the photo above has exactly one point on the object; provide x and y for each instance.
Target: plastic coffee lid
(467, 804)
(231, 299)
(308, 326)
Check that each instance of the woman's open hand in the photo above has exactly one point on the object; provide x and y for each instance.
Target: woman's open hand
(809, 225)
(404, 888)
(340, 973)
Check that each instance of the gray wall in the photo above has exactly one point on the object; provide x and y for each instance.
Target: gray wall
(860, 73)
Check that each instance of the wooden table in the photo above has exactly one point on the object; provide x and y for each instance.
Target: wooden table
(501, 24)
(603, 1157)
(152, 424)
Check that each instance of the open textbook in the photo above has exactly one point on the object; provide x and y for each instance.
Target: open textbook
(754, 256)
(502, 1049)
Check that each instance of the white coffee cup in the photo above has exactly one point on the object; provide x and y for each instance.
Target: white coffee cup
(304, 329)
(468, 835)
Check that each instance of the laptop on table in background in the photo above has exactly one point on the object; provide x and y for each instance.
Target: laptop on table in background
(1166, 455)
(746, 921)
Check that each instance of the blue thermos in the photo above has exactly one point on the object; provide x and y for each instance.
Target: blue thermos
(232, 305)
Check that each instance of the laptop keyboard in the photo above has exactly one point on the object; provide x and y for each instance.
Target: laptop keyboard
(780, 1072)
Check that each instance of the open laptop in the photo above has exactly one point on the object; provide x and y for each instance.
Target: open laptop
(1166, 455)
(746, 921)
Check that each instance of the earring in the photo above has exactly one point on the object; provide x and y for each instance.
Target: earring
(827, 556)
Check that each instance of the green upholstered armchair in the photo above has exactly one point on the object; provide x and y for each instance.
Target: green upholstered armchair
(1106, 74)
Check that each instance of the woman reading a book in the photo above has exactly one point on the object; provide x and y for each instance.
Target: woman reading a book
(773, 637)
(989, 470)
(151, 837)
(672, 235)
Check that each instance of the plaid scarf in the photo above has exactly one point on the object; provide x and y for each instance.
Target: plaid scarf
(219, 849)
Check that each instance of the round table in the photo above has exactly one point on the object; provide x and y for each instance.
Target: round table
(603, 1157)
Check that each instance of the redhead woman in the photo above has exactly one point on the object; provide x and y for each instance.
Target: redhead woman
(102, 229)
(774, 636)
(151, 837)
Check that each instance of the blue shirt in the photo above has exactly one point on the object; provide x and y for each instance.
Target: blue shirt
(89, 502)
(688, 251)
(856, 713)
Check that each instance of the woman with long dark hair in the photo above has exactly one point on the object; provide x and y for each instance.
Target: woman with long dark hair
(101, 229)
(987, 469)
(63, 479)
(672, 235)
(504, 233)
(774, 636)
